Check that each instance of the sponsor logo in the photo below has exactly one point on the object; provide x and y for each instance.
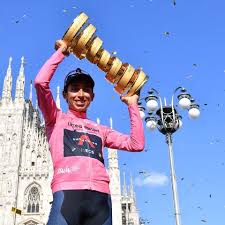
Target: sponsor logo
(82, 144)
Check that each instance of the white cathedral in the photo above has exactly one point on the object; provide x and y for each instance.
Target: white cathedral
(25, 163)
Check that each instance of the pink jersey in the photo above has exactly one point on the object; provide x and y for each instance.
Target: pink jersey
(77, 143)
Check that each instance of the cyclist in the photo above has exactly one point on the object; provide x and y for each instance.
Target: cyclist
(80, 183)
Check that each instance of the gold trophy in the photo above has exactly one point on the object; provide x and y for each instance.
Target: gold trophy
(81, 39)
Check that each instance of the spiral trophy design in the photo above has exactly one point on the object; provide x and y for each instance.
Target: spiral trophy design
(81, 37)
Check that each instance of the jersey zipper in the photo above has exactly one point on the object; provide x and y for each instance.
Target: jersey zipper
(89, 158)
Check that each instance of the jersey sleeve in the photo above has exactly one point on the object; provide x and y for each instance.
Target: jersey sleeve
(133, 142)
(44, 95)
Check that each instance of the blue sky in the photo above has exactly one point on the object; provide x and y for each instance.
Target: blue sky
(136, 31)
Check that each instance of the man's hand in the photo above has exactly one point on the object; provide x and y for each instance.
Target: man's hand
(66, 50)
(130, 100)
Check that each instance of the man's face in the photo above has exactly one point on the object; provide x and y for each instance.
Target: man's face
(79, 96)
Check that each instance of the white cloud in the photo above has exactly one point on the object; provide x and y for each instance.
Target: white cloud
(154, 179)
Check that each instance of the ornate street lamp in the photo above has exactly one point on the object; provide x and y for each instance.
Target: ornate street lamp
(168, 121)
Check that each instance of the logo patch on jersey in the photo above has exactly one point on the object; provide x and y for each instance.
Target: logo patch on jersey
(82, 144)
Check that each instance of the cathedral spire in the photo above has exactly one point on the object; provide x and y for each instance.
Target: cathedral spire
(7, 87)
(111, 122)
(98, 121)
(9, 70)
(131, 186)
(124, 185)
(58, 98)
(22, 66)
(112, 153)
(20, 83)
(31, 89)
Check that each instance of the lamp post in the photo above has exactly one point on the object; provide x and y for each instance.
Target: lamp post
(168, 121)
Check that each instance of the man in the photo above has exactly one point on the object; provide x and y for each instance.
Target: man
(80, 184)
